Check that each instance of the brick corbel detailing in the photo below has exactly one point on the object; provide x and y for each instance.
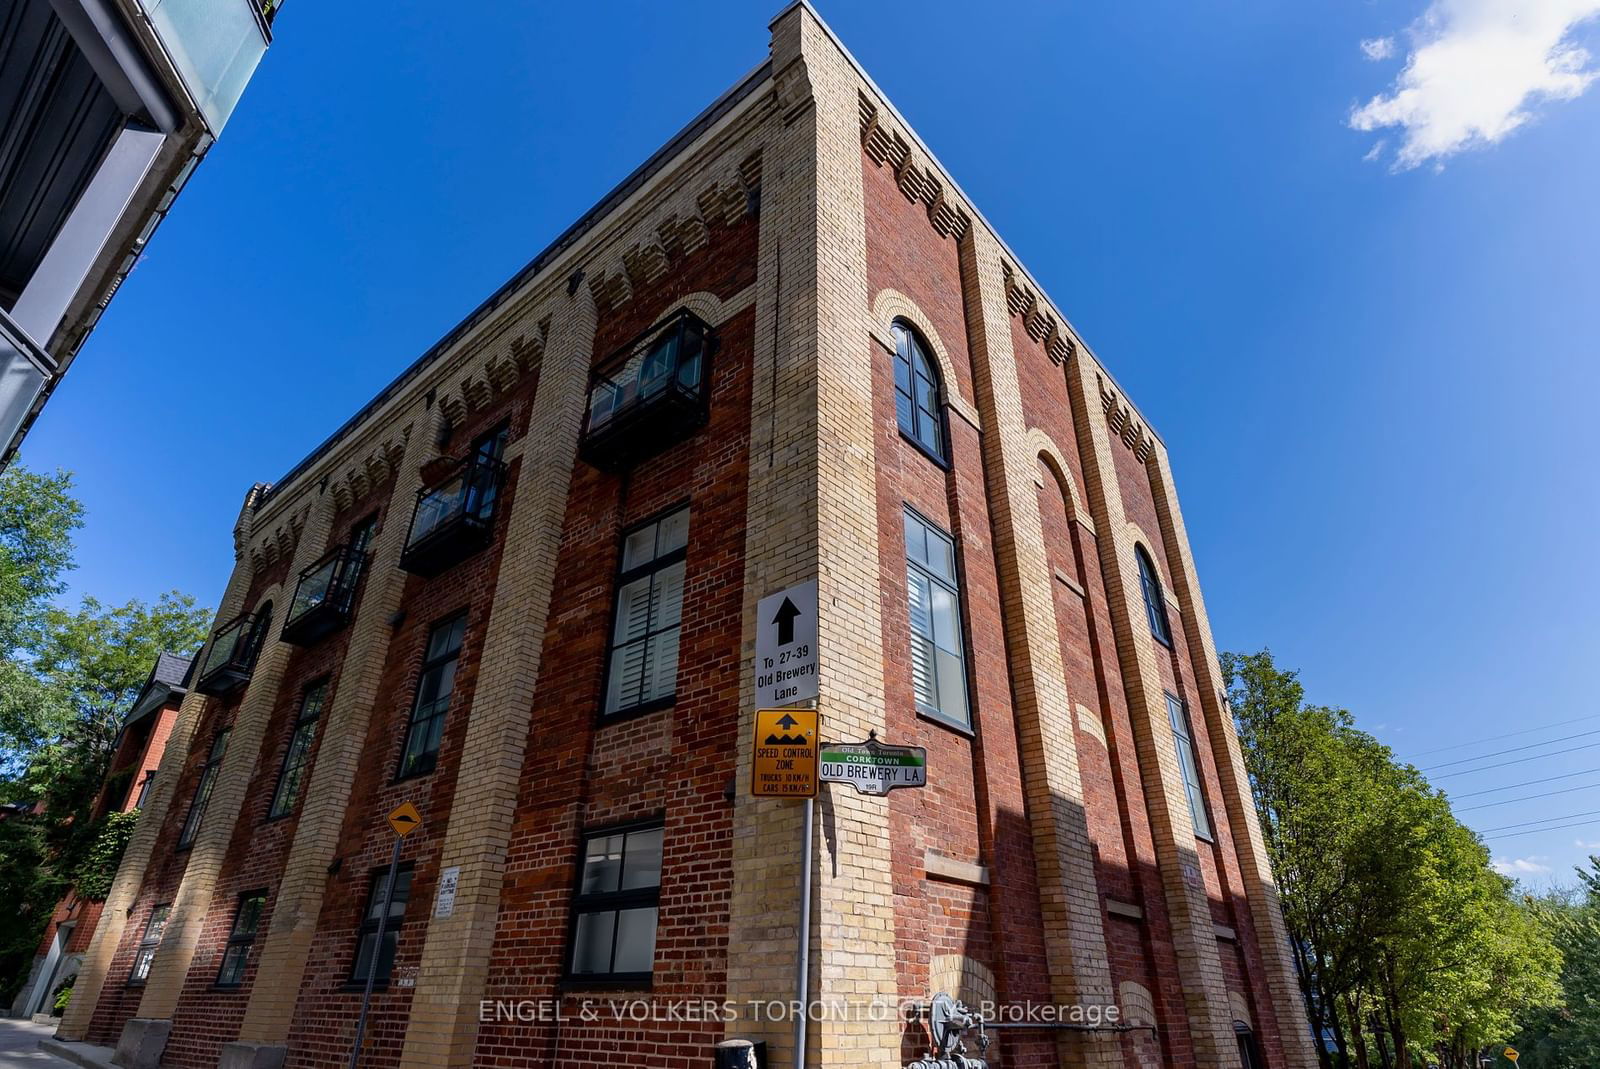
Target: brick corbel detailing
(294, 913)
(1124, 422)
(918, 180)
(224, 809)
(136, 858)
(1171, 826)
(1074, 938)
(442, 1028)
(1041, 323)
(1261, 890)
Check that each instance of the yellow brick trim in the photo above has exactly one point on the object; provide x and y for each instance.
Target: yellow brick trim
(1046, 449)
(890, 305)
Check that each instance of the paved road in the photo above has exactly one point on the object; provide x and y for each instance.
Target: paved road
(19, 1045)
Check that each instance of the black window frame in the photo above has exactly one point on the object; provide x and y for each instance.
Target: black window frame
(295, 755)
(907, 337)
(440, 707)
(1155, 598)
(240, 941)
(1183, 739)
(954, 585)
(613, 902)
(202, 790)
(624, 578)
(145, 954)
(404, 878)
(145, 781)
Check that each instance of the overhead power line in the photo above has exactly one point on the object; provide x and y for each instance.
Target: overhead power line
(1529, 797)
(1526, 823)
(1518, 761)
(1523, 783)
(1514, 749)
(1558, 827)
(1507, 735)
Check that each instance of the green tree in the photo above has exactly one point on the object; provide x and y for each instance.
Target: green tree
(1567, 1035)
(38, 515)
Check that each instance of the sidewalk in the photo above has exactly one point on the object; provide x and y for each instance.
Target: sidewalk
(23, 1043)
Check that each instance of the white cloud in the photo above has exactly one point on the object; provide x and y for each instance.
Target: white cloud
(1377, 48)
(1475, 70)
(1522, 866)
(1583, 845)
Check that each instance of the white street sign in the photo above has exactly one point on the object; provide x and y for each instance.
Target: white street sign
(873, 767)
(786, 646)
(445, 903)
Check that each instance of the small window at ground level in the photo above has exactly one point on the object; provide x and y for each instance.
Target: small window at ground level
(614, 912)
(246, 921)
(1188, 764)
(368, 944)
(154, 927)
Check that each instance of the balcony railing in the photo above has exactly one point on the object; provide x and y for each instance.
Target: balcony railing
(649, 395)
(324, 597)
(231, 658)
(454, 517)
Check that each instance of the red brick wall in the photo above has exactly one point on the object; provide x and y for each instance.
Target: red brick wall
(676, 764)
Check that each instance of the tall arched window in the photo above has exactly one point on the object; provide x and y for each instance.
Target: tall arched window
(1155, 603)
(258, 633)
(917, 404)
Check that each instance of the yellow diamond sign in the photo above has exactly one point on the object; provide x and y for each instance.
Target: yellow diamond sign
(1511, 1054)
(405, 819)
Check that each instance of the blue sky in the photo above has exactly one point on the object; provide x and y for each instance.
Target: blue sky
(1371, 352)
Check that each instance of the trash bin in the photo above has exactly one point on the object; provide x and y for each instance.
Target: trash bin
(741, 1054)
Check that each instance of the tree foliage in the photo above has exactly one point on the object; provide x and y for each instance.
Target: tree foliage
(1567, 1035)
(67, 678)
(1410, 949)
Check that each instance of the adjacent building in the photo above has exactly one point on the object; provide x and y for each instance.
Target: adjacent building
(134, 760)
(518, 590)
(106, 106)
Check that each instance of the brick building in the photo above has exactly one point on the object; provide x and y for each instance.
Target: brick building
(518, 590)
(134, 760)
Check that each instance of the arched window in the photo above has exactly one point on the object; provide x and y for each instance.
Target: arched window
(917, 404)
(1155, 603)
(258, 633)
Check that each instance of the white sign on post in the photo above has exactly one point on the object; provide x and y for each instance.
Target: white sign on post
(445, 902)
(786, 646)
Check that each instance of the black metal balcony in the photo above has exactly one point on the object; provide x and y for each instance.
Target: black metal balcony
(649, 395)
(231, 658)
(454, 517)
(324, 597)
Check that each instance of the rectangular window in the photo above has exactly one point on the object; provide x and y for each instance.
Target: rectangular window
(643, 666)
(614, 911)
(153, 928)
(1188, 764)
(298, 757)
(434, 687)
(202, 793)
(360, 544)
(246, 920)
(367, 942)
(938, 667)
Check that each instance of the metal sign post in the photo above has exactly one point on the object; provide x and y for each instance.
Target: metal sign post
(802, 955)
(404, 820)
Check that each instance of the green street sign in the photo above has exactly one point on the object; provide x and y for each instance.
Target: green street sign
(872, 767)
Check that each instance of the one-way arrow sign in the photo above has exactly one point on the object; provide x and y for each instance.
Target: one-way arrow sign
(785, 621)
(786, 646)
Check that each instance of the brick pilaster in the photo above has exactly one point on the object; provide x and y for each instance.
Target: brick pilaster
(1261, 890)
(455, 959)
(305, 874)
(1074, 935)
(1172, 828)
(136, 858)
(223, 813)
